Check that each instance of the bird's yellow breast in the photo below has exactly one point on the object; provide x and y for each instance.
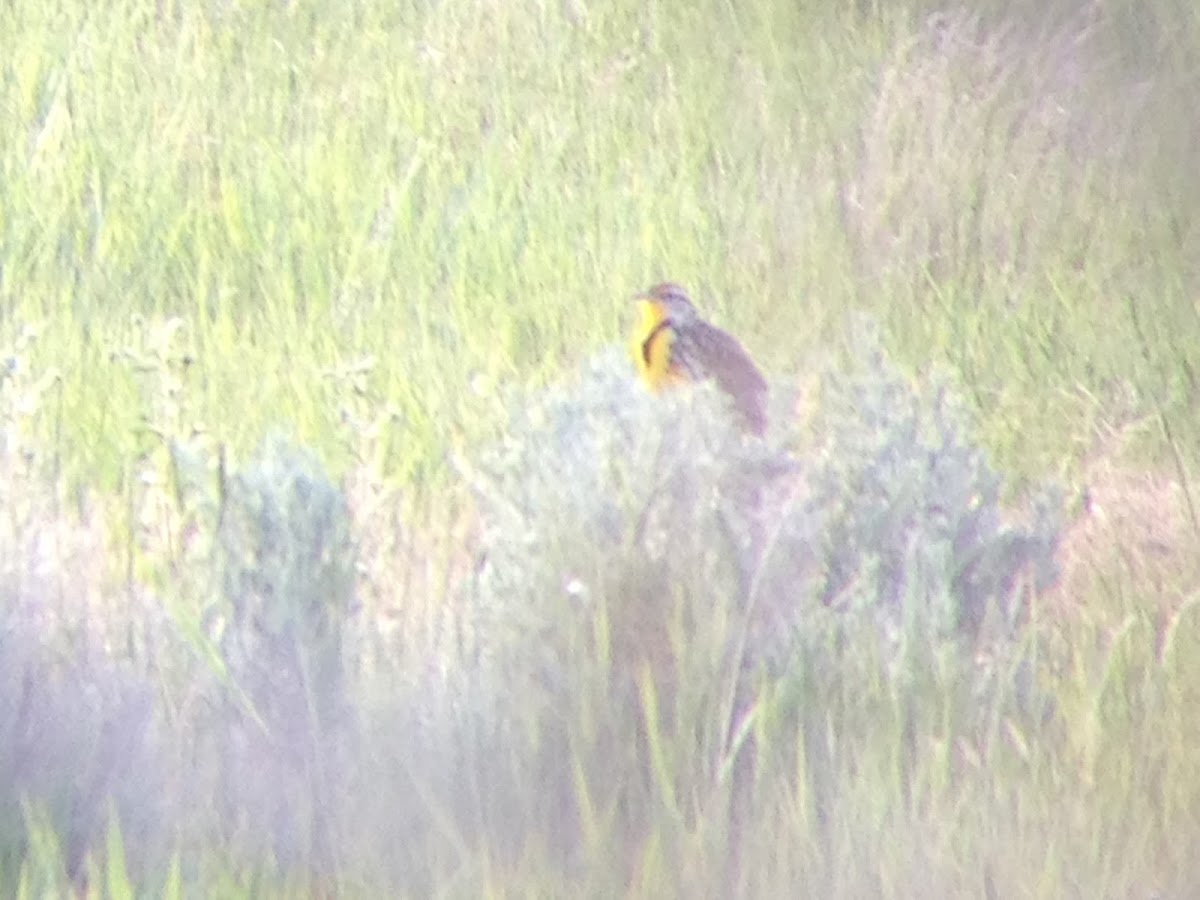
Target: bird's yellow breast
(651, 346)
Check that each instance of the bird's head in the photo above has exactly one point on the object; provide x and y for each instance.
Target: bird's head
(667, 302)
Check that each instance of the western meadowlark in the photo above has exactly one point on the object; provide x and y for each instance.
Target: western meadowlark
(672, 345)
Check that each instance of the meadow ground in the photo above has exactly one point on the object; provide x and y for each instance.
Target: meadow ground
(341, 554)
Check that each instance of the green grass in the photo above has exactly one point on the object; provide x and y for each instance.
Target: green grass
(377, 228)
(471, 190)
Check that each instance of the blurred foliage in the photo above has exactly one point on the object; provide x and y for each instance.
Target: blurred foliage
(649, 656)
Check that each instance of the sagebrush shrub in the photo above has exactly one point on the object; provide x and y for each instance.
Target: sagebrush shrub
(285, 563)
(646, 571)
(905, 494)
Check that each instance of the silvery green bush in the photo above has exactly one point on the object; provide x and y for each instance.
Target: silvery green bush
(880, 502)
(909, 498)
(284, 563)
(647, 574)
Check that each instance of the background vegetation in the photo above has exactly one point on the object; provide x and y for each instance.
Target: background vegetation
(486, 618)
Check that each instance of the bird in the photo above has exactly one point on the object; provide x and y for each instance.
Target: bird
(672, 345)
